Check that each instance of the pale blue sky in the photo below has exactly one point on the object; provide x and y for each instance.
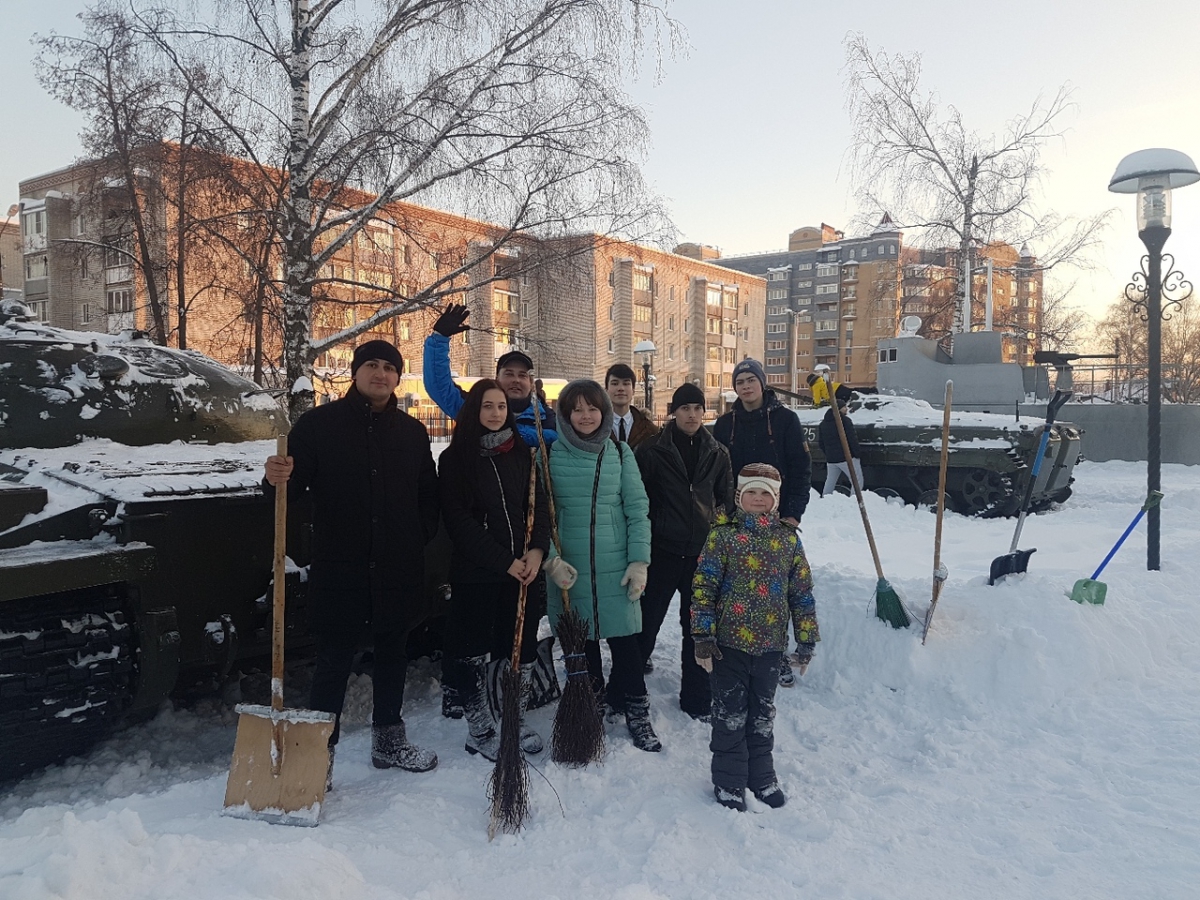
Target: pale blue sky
(749, 130)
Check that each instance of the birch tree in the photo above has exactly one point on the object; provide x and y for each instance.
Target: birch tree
(913, 156)
(511, 112)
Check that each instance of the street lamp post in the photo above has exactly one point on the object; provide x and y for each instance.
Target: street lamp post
(647, 351)
(1151, 174)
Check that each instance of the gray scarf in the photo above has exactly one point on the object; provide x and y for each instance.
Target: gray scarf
(492, 443)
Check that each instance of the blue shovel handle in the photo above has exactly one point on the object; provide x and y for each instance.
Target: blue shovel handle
(1151, 502)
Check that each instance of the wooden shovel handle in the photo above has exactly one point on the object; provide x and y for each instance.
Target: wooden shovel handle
(277, 623)
(862, 507)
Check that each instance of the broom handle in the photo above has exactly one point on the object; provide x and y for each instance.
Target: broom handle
(519, 630)
(941, 499)
(862, 508)
(277, 631)
(545, 457)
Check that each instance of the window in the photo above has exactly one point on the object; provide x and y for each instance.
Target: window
(403, 331)
(730, 326)
(827, 288)
(610, 346)
(687, 353)
(670, 351)
(714, 353)
(712, 379)
(727, 354)
(827, 325)
(777, 294)
(776, 360)
(887, 356)
(611, 314)
(671, 322)
(504, 301)
(777, 379)
(731, 299)
(34, 223)
(850, 291)
(881, 250)
(852, 253)
(776, 310)
(83, 266)
(35, 267)
(657, 319)
(804, 267)
(803, 284)
(825, 270)
(777, 328)
(119, 300)
(687, 325)
(713, 297)
(641, 279)
(672, 293)
(85, 314)
(776, 345)
(804, 335)
(806, 317)
(714, 325)
(777, 276)
(77, 225)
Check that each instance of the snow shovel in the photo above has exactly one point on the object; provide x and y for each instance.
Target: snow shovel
(887, 602)
(939, 571)
(1015, 561)
(1089, 590)
(280, 756)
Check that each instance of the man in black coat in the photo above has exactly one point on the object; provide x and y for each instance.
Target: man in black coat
(369, 470)
(688, 480)
(836, 463)
(760, 429)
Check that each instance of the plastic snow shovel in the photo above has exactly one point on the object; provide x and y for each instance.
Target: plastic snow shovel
(1089, 590)
(1016, 561)
(280, 756)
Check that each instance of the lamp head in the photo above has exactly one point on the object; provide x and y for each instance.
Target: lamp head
(1152, 174)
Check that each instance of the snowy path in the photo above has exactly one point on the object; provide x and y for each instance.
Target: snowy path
(1034, 748)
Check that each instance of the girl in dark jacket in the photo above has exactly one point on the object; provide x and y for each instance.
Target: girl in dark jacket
(484, 485)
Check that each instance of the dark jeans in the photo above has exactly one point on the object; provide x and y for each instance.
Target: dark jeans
(668, 574)
(335, 657)
(482, 619)
(627, 679)
(743, 719)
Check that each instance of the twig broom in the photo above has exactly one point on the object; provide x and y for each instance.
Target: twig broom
(509, 787)
(577, 738)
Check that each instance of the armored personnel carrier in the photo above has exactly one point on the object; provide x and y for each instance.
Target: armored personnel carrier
(990, 457)
(135, 541)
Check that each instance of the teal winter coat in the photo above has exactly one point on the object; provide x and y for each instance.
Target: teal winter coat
(603, 475)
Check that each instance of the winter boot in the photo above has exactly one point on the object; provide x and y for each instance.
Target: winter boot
(329, 771)
(772, 795)
(637, 717)
(453, 674)
(390, 749)
(787, 678)
(482, 738)
(531, 741)
(730, 799)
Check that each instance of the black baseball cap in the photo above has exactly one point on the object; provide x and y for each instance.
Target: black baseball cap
(514, 356)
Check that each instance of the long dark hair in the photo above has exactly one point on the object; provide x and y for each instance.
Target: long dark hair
(468, 430)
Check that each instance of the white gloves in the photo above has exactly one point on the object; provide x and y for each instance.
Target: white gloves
(561, 572)
(635, 577)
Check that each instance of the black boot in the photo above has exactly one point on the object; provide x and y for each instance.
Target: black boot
(481, 724)
(390, 749)
(730, 799)
(637, 717)
(772, 795)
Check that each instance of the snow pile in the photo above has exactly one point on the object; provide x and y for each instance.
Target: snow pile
(1034, 748)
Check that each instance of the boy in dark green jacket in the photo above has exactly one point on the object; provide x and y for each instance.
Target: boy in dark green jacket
(752, 578)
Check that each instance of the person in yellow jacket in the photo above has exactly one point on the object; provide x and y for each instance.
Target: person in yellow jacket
(820, 390)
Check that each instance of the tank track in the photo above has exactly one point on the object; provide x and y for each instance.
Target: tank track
(67, 668)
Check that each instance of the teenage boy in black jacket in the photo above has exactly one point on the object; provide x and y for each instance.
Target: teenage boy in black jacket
(689, 481)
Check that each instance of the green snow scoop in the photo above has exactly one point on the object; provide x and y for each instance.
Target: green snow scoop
(1089, 590)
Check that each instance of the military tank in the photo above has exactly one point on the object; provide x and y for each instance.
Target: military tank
(135, 541)
(990, 456)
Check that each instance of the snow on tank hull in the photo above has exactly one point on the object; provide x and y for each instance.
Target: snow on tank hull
(135, 540)
(989, 464)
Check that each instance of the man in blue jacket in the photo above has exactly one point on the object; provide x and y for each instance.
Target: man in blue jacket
(514, 372)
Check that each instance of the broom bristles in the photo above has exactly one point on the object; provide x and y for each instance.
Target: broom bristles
(578, 735)
(509, 786)
(889, 607)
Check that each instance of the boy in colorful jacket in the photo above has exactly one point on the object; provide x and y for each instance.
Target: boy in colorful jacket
(752, 577)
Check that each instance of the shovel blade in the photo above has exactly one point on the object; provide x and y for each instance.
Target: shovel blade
(1088, 591)
(1010, 564)
(280, 783)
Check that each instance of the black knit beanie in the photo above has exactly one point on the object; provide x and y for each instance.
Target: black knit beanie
(684, 394)
(376, 350)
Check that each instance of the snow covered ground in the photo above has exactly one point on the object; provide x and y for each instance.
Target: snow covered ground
(1034, 748)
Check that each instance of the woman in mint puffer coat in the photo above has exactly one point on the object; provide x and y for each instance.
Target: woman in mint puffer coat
(604, 527)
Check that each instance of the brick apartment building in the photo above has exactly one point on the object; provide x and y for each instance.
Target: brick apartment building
(577, 305)
(12, 259)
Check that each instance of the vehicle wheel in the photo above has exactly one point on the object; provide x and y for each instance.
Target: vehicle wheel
(66, 675)
(985, 493)
(887, 493)
(928, 500)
